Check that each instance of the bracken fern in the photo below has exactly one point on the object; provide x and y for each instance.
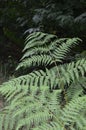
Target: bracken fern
(50, 98)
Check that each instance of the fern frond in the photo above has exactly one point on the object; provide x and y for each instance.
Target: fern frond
(61, 51)
(36, 61)
(32, 108)
(53, 99)
(73, 110)
(38, 39)
(75, 70)
(39, 50)
(42, 48)
(68, 73)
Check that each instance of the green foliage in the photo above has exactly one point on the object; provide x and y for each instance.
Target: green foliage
(46, 49)
(50, 98)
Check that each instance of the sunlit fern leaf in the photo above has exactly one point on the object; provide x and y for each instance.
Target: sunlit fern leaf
(61, 51)
(36, 61)
(67, 73)
(51, 126)
(41, 108)
(49, 99)
(60, 75)
(73, 109)
(81, 121)
(44, 49)
(32, 110)
(39, 50)
(38, 39)
(55, 100)
(71, 94)
(38, 118)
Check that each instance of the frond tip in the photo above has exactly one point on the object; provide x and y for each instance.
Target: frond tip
(45, 49)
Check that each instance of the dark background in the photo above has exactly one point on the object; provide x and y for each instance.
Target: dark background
(19, 18)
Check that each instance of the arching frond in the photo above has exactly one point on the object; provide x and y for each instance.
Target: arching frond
(50, 99)
(44, 49)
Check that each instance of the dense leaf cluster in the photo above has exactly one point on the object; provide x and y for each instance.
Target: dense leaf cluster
(50, 98)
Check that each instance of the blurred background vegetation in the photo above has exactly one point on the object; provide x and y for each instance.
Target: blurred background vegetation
(19, 18)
